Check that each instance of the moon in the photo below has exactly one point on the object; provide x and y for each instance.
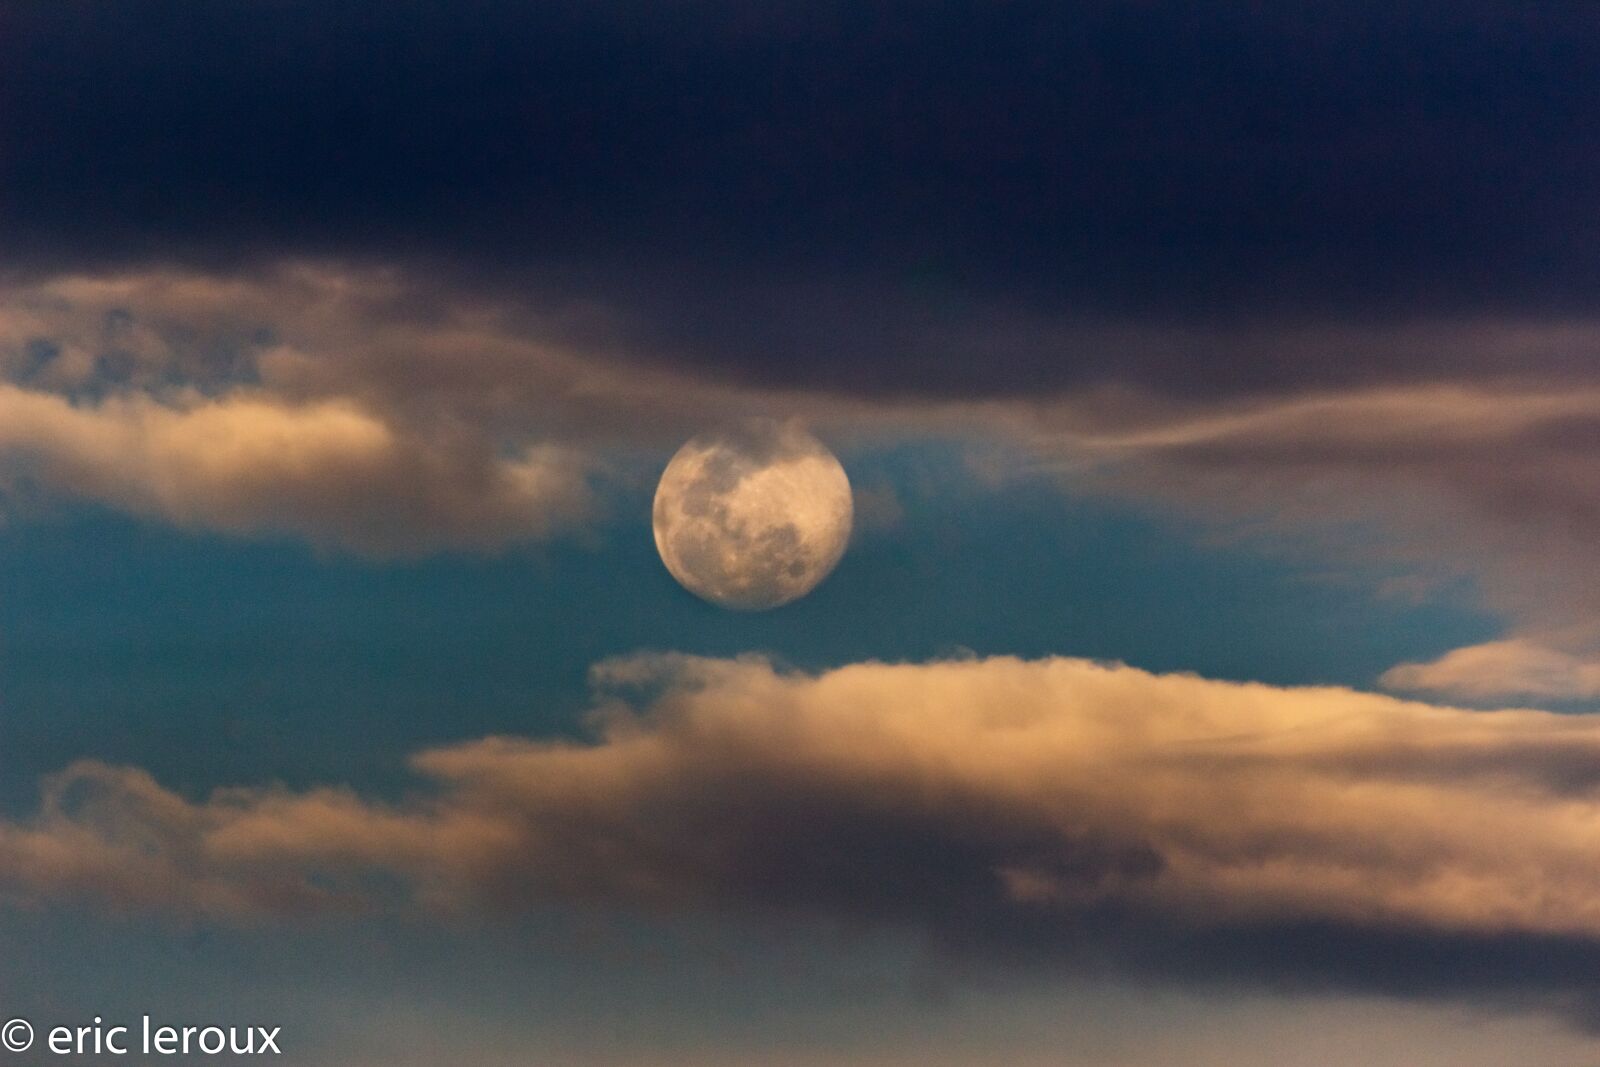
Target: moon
(754, 515)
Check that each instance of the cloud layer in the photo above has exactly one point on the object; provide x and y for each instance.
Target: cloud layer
(852, 181)
(1073, 802)
(386, 413)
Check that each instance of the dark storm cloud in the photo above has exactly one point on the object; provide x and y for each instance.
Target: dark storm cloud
(869, 196)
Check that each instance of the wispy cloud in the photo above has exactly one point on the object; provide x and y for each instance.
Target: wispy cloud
(1491, 670)
(1492, 480)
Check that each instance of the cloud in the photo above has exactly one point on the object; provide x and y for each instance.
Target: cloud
(1487, 479)
(1163, 821)
(229, 403)
(327, 471)
(1497, 669)
(1472, 460)
(1156, 163)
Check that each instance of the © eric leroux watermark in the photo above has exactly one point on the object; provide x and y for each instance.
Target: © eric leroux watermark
(147, 1037)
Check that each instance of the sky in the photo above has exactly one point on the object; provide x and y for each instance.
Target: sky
(1213, 670)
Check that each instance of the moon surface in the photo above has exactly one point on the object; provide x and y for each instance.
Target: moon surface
(753, 516)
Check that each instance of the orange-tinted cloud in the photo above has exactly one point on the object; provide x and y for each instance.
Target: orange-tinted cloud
(1516, 665)
(950, 796)
(328, 471)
